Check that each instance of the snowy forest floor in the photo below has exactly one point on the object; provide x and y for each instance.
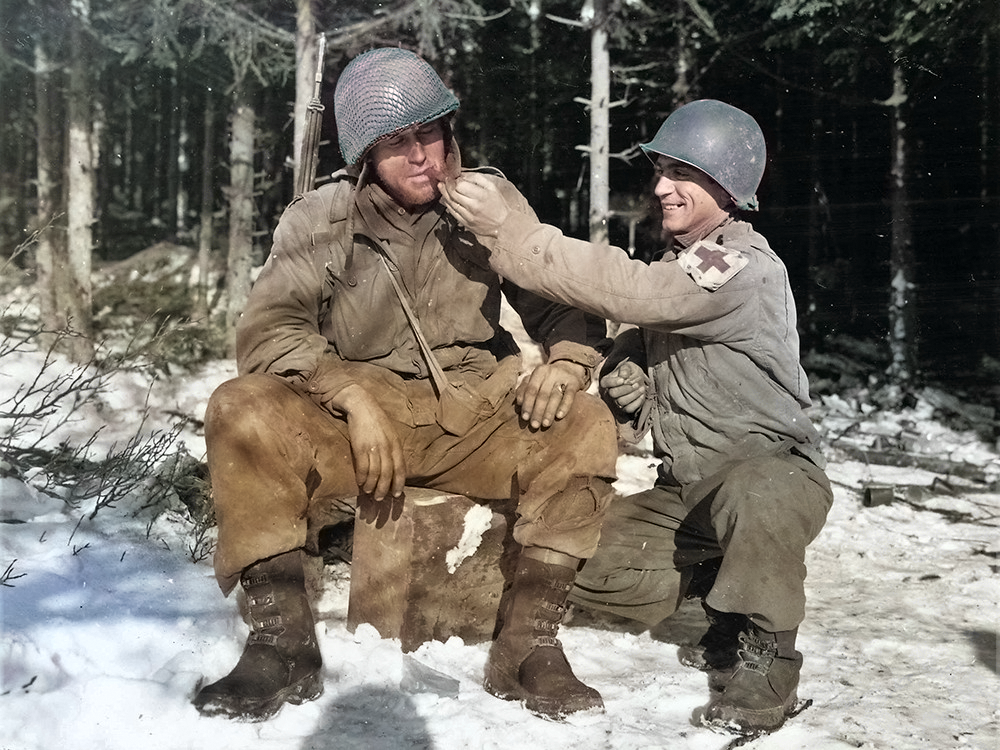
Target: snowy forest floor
(110, 620)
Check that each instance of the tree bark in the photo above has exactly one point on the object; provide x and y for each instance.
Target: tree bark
(305, 73)
(681, 87)
(81, 157)
(989, 154)
(51, 242)
(206, 226)
(600, 96)
(902, 303)
(172, 138)
(240, 211)
(179, 157)
(815, 245)
(530, 167)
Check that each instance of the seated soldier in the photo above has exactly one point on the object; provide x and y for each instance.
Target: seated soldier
(337, 396)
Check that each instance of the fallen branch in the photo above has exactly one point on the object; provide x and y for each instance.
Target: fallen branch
(933, 464)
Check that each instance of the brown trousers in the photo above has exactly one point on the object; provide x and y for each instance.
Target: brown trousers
(281, 465)
(753, 520)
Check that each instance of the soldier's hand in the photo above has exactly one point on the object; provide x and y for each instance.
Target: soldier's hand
(626, 385)
(379, 465)
(476, 202)
(547, 393)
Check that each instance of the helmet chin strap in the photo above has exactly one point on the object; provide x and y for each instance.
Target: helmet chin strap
(748, 205)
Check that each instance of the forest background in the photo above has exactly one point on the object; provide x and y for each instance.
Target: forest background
(147, 149)
(177, 124)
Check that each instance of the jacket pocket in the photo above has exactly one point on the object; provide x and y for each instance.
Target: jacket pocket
(462, 406)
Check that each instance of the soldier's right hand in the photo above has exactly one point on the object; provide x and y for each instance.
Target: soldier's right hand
(626, 386)
(379, 465)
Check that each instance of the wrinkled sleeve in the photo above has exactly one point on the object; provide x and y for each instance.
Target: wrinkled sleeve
(606, 282)
(279, 330)
(564, 332)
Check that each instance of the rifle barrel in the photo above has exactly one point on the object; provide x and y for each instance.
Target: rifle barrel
(309, 156)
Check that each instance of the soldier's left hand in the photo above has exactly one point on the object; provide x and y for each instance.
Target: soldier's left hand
(547, 393)
(476, 202)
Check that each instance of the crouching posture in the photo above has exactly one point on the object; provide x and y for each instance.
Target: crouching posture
(711, 366)
(370, 358)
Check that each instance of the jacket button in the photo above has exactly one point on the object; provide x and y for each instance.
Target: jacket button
(536, 249)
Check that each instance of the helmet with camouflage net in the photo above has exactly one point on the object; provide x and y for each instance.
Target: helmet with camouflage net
(382, 92)
(722, 141)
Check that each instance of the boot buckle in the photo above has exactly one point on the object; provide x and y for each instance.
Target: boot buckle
(264, 639)
(267, 623)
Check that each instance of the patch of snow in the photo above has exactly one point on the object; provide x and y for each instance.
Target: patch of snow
(477, 522)
(109, 627)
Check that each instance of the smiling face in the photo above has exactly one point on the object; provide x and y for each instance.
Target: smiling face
(690, 199)
(411, 163)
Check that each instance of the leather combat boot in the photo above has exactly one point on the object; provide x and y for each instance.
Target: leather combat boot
(717, 651)
(281, 660)
(762, 690)
(526, 661)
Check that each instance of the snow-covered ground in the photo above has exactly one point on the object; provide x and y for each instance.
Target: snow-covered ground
(108, 626)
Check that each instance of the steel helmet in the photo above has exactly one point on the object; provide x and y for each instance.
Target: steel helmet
(383, 91)
(722, 141)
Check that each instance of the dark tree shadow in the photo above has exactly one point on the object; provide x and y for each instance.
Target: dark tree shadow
(684, 627)
(985, 644)
(370, 718)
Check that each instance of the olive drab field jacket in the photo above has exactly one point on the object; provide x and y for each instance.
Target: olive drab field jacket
(323, 312)
(715, 333)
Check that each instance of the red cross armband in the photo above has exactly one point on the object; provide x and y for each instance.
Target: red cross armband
(711, 265)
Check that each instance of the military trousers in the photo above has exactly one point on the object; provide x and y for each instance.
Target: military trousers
(748, 524)
(280, 465)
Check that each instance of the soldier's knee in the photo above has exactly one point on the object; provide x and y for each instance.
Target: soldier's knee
(240, 406)
(590, 422)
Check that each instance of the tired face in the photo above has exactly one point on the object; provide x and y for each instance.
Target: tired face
(689, 198)
(411, 163)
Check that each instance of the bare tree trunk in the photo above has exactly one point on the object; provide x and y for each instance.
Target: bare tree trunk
(530, 155)
(240, 211)
(815, 245)
(305, 73)
(182, 158)
(206, 228)
(902, 302)
(682, 58)
(989, 152)
(600, 128)
(172, 150)
(600, 103)
(14, 177)
(81, 199)
(51, 243)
